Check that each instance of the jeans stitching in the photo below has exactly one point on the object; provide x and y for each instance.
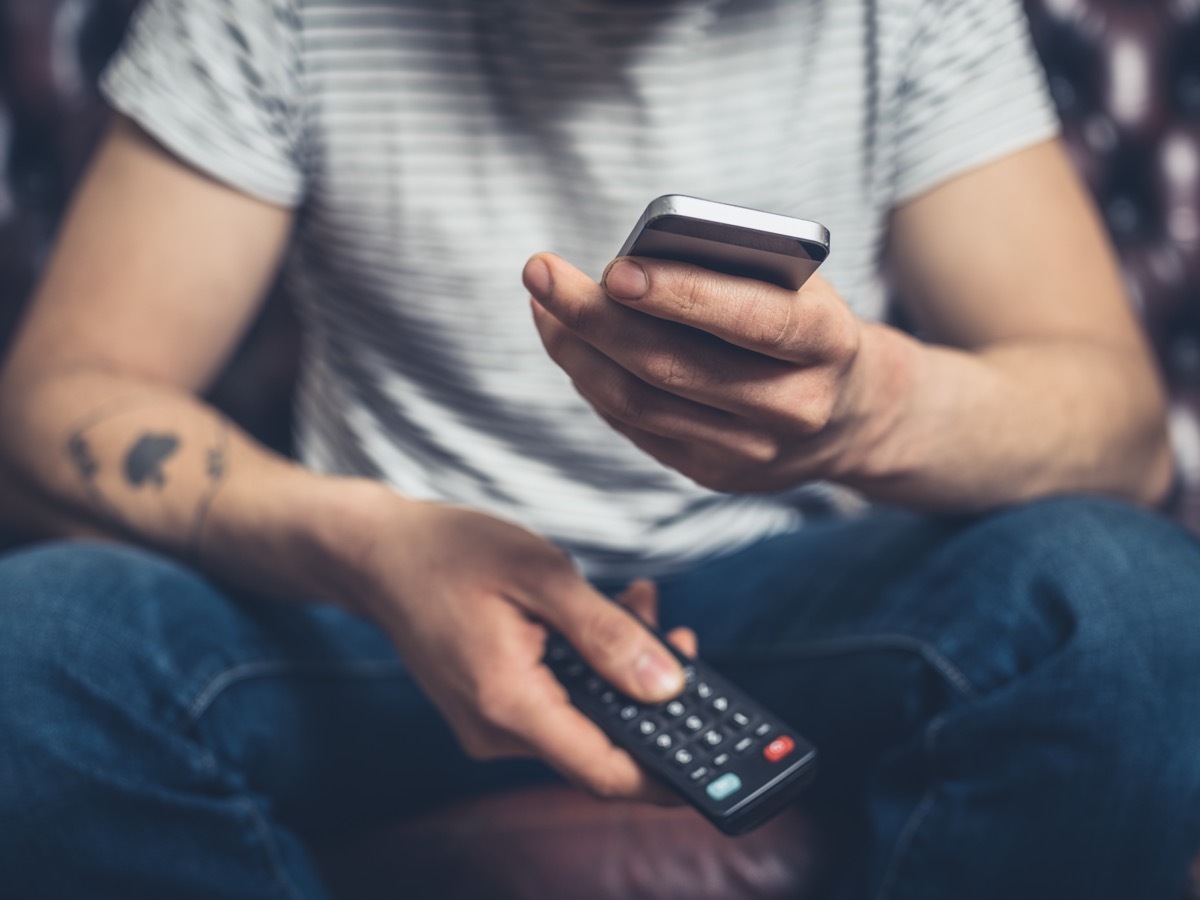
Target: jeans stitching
(227, 678)
(916, 818)
(902, 843)
(272, 849)
(933, 657)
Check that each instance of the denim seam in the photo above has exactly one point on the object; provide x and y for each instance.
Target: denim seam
(902, 843)
(272, 850)
(227, 678)
(916, 818)
(933, 657)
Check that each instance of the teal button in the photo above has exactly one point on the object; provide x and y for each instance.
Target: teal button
(724, 786)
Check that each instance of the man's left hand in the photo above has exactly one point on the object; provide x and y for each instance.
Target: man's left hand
(738, 384)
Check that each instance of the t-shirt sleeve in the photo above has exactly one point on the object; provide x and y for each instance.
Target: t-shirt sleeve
(972, 91)
(219, 84)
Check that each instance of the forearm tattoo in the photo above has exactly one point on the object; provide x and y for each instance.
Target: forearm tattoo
(216, 464)
(145, 459)
(144, 465)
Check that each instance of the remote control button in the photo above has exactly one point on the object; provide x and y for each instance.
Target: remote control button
(558, 652)
(763, 729)
(683, 756)
(703, 690)
(593, 685)
(608, 698)
(664, 741)
(689, 674)
(675, 708)
(724, 786)
(720, 759)
(698, 773)
(720, 704)
(739, 720)
(628, 713)
(574, 670)
(743, 745)
(779, 748)
(647, 727)
(713, 737)
(693, 723)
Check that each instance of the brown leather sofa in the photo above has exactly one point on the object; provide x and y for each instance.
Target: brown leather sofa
(1126, 77)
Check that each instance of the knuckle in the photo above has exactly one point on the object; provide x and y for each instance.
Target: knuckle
(759, 449)
(607, 633)
(849, 337)
(496, 705)
(686, 289)
(608, 785)
(817, 413)
(476, 746)
(630, 406)
(668, 370)
(550, 573)
(573, 312)
(777, 332)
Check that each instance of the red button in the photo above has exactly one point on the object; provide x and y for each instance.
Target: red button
(779, 748)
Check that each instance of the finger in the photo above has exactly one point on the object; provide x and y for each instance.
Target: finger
(683, 640)
(665, 376)
(806, 326)
(704, 464)
(641, 598)
(617, 393)
(574, 746)
(612, 640)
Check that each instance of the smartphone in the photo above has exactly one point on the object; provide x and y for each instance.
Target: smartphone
(735, 240)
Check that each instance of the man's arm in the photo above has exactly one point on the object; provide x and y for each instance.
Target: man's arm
(1043, 385)
(156, 275)
(1050, 385)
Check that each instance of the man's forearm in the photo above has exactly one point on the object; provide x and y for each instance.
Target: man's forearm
(966, 431)
(97, 452)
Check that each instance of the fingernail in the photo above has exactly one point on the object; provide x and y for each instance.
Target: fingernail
(537, 277)
(659, 676)
(626, 280)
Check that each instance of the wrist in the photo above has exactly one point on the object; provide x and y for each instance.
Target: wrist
(878, 398)
(344, 540)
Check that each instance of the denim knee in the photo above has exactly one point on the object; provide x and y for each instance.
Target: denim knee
(1111, 717)
(88, 666)
(1071, 764)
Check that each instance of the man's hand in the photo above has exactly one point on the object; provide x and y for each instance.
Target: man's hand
(1035, 379)
(467, 600)
(740, 385)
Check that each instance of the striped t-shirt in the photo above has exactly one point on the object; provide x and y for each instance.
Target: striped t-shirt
(431, 146)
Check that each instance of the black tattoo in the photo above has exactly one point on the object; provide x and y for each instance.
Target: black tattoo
(81, 455)
(144, 461)
(216, 463)
(84, 460)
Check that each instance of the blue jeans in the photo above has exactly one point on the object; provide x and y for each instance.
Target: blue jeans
(1012, 703)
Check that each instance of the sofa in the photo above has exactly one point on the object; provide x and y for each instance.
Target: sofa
(1126, 79)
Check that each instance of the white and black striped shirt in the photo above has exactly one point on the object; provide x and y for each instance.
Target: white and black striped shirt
(431, 146)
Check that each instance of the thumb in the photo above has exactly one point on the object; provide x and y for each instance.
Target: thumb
(616, 644)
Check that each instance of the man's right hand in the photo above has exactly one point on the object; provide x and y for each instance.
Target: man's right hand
(468, 600)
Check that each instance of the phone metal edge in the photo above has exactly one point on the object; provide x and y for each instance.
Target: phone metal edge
(727, 214)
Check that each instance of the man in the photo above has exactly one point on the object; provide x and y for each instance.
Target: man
(1001, 677)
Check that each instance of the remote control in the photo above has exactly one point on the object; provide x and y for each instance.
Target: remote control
(730, 758)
